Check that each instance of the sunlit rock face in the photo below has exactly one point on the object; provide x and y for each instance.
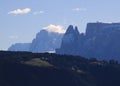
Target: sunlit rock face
(101, 40)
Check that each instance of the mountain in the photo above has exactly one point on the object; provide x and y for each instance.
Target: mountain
(45, 41)
(44, 69)
(70, 41)
(101, 41)
(20, 47)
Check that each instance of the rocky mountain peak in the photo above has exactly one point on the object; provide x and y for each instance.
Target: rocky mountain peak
(70, 29)
(76, 30)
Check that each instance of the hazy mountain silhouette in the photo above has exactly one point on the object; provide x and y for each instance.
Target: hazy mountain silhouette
(20, 47)
(44, 42)
(101, 40)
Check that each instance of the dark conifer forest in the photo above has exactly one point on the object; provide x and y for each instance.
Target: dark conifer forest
(45, 69)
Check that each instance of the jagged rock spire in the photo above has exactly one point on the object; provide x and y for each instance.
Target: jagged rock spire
(76, 30)
(70, 29)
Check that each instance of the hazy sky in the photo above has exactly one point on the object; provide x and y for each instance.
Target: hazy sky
(20, 20)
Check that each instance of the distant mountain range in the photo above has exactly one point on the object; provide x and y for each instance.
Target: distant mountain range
(45, 41)
(20, 47)
(101, 41)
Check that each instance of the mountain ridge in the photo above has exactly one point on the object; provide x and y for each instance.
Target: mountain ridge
(101, 41)
(45, 41)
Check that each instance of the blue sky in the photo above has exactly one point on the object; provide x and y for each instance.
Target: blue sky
(20, 20)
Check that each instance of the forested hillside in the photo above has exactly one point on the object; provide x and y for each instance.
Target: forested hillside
(44, 69)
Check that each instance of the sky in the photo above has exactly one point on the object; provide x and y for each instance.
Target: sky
(20, 20)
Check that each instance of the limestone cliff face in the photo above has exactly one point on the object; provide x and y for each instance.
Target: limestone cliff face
(101, 40)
